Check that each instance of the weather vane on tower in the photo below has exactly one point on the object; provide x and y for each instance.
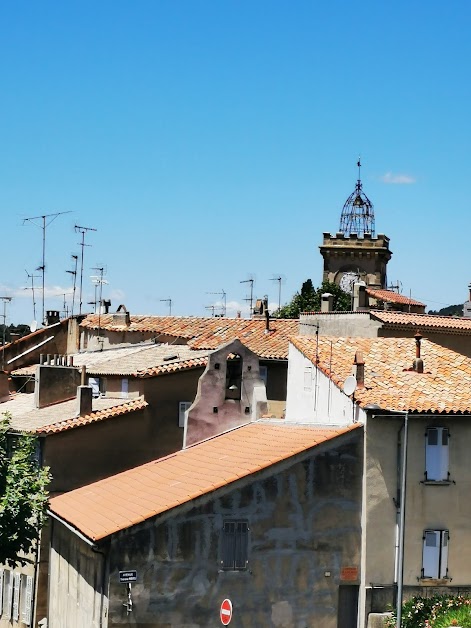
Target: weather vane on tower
(357, 213)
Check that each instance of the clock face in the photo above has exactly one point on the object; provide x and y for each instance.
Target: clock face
(347, 280)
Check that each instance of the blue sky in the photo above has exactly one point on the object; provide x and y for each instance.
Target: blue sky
(207, 142)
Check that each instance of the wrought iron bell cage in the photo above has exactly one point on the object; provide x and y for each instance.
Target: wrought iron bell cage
(357, 214)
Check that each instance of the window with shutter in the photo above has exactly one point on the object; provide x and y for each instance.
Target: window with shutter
(183, 408)
(8, 597)
(307, 378)
(435, 554)
(235, 542)
(436, 454)
(27, 598)
(16, 596)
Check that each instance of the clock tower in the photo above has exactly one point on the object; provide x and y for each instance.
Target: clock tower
(355, 253)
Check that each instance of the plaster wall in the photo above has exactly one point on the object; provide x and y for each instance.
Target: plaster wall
(55, 384)
(78, 572)
(313, 397)
(304, 522)
(88, 453)
(348, 325)
(212, 412)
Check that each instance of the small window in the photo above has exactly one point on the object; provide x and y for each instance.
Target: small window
(183, 408)
(436, 454)
(235, 543)
(7, 594)
(307, 378)
(435, 554)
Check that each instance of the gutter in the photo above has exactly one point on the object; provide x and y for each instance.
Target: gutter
(81, 536)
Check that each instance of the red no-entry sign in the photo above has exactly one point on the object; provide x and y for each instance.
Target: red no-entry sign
(226, 612)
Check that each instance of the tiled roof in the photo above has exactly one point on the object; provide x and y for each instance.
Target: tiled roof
(123, 500)
(141, 360)
(25, 417)
(445, 385)
(392, 297)
(424, 322)
(95, 417)
(209, 333)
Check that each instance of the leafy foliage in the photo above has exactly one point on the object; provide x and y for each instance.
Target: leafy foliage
(23, 495)
(450, 310)
(437, 611)
(308, 299)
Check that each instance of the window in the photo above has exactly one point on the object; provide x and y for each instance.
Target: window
(235, 543)
(263, 370)
(124, 387)
(95, 383)
(307, 378)
(16, 596)
(7, 594)
(183, 407)
(27, 599)
(436, 454)
(435, 554)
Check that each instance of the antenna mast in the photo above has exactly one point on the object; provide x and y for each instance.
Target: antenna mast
(223, 306)
(99, 281)
(32, 277)
(278, 279)
(169, 301)
(5, 301)
(250, 299)
(43, 226)
(74, 273)
(83, 231)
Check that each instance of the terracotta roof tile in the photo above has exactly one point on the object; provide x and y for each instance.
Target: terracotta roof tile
(115, 503)
(388, 296)
(209, 333)
(445, 385)
(424, 322)
(94, 417)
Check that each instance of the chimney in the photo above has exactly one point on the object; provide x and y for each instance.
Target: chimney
(105, 306)
(52, 316)
(418, 362)
(359, 362)
(359, 296)
(121, 316)
(327, 302)
(84, 400)
(267, 319)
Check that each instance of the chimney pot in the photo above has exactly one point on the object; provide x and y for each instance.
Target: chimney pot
(359, 362)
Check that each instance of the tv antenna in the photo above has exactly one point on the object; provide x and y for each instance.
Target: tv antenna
(280, 280)
(98, 282)
(249, 299)
(4, 316)
(32, 277)
(43, 224)
(74, 274)
(83, 231)
(223, 296)
(169, 301)
(210, 307)
(397, 287)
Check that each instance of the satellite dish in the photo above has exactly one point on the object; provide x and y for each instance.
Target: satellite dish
(350, 385)
(33, 326)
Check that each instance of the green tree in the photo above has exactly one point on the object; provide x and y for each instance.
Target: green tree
(308, 299)
(23, 495)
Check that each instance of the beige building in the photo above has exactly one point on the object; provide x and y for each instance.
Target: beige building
(380, 382)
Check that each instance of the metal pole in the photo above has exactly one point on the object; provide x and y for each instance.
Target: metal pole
(402, 519)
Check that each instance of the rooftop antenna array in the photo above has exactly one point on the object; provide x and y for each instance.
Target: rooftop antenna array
(4, 316)
(99, 281)
(249, 299)
(74, 274)
(45, 223)
(83, 231)
(169, 301)
(357, 213)
(32, 277)
(223, 296)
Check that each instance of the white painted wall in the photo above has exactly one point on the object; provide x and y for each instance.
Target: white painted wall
(314, 398)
